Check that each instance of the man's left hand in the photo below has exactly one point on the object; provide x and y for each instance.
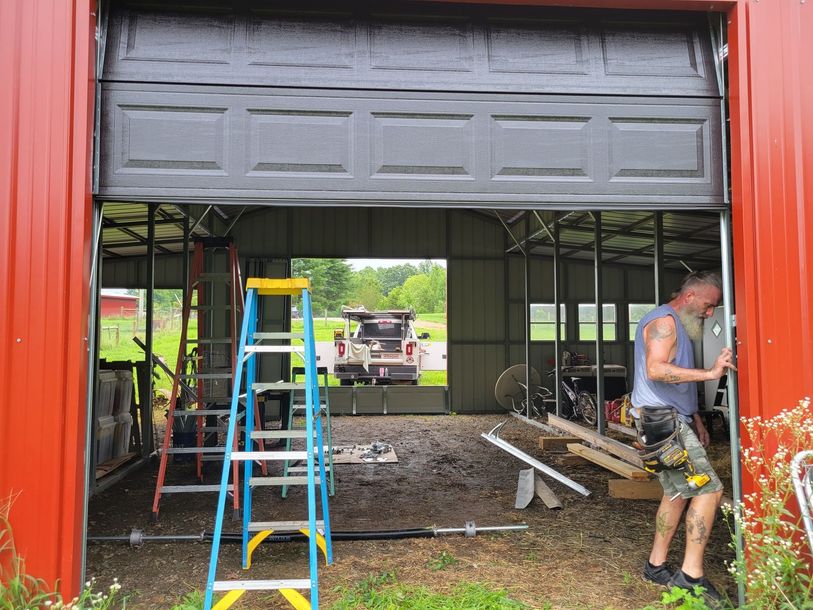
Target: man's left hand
(702, 433)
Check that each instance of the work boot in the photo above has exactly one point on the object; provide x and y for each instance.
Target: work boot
(711, 596)
(660, 575)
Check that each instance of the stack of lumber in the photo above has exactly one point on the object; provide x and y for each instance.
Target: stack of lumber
(612, 455)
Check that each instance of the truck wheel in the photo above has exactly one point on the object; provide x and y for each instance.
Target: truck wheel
(415, 381)
(345, 381)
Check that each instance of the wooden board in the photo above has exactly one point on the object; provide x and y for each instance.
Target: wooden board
(610, 463)
(545, 494)
(556, 443)
(622, 429)
(534, 423)
(635, 490)
(618, 449)
(110, 465)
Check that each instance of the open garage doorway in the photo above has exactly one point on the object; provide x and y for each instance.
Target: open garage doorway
(566, 182)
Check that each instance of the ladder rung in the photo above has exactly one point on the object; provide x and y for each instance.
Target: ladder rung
(202, 412)
(177, 489)
(219, 340)
(278, 336)
(282, 349)
(196, 450)
(279, 385)
(207, 376)
(268, 481)
(261, 585)
(269, 455)
(282, 526)
(280, 434)
(305, 468)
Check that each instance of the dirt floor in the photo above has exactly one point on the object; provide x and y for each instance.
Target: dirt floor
(587, 555)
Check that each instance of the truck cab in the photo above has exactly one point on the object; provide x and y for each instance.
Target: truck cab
(378, 347)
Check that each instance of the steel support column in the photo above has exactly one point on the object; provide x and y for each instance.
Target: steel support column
(529, 406)
(731, 387)
(146, 401)
(657, 253)
(557, 312)
(602, 424)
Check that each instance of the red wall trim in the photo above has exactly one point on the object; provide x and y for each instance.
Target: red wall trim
(46, 67)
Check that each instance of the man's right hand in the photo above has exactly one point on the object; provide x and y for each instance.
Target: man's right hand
(724, 362)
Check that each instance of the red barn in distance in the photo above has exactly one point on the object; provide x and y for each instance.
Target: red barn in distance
(115, 305)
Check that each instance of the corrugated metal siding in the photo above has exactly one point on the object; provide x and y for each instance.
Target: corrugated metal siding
(771, 44)
(474, 235)
(46, 69)
(476, 297)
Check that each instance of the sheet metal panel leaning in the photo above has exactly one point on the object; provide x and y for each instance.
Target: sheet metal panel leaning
(665, 406)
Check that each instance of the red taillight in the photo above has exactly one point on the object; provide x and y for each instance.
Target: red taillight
(341, 349)
(409, 347)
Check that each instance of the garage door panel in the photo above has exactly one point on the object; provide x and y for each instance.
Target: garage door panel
(174, 141)
(425, 47)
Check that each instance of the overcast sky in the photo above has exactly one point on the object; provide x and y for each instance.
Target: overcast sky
(361, 263)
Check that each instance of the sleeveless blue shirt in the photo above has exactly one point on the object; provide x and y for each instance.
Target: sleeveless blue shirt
(649, 393)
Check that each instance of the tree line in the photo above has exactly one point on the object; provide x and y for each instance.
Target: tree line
(334, 284)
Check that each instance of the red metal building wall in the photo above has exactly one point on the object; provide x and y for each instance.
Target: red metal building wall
(46, 71)
(772, 179)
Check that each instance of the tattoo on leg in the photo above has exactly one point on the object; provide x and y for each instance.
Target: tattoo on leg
(662, 525)
(696, 527)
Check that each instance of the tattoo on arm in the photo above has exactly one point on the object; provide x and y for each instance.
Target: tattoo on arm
(671, 377)
(661, 329)
(662, 525)
(696, 527)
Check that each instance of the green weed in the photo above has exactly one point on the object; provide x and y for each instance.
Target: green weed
(442, 561)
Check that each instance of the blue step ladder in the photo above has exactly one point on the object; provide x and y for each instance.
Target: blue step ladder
(318, 531)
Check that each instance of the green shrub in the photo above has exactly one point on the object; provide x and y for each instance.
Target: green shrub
(775, 569)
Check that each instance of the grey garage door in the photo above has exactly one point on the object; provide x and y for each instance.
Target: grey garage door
(426, 105)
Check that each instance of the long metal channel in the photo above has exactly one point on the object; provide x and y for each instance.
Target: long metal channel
(657, 252)
(557, 306)
(732, 386)
(602, 424)
(146, 406)
(529, 405)
(502, 222)
(521, 455)
(93, 361)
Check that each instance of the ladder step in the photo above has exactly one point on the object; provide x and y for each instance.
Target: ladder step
(280, 434)
(269, 455)
(281, 349)
(262, 585)
(305, 468)
(202, 412)
(269, 481)
(282, 526)
(207, 376)
(178, 489)
(279, 385)
(278, 336)
(173, 450)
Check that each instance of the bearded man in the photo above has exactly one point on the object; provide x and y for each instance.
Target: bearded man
(666, 382)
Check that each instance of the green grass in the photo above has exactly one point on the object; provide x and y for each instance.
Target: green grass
(437, 318)
(164, 344)
(384, 592)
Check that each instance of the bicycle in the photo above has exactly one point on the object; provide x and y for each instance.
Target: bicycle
(580, 403)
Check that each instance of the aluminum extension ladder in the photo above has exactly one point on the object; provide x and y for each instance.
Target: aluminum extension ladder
(214, 291)
(296, 407)
(314, 455)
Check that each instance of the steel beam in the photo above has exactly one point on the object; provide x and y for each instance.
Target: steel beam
(602, 424)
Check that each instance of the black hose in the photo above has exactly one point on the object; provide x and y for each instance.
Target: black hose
(137, 537)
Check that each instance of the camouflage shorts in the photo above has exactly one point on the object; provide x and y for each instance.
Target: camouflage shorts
(674, 482)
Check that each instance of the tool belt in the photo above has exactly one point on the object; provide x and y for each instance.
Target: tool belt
(659, 442)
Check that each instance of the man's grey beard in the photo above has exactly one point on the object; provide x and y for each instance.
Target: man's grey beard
(692, 324)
